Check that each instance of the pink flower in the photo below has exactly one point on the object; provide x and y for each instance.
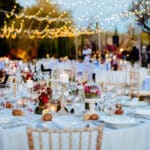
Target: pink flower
(87, 89)
(37, 87)
(98, 92)
(29, 76)
(92, 91)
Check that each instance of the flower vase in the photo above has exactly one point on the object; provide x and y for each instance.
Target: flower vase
(62, 109)
(92, 107)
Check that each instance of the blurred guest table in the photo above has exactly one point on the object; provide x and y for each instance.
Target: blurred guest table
(146, 84)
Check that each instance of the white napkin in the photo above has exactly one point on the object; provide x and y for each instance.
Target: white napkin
(4, 120)
(59, 124)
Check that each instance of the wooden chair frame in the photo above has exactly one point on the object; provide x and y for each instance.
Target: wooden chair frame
(31, 131)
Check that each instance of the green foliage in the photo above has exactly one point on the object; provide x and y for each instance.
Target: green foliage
(58, 47)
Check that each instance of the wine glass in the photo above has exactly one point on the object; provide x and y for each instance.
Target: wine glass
(69, 106)
(109, 107)
(58, 104)
(79, 108)
(3, 96)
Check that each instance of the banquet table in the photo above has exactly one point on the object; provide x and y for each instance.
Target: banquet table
(120, 76)
(146, 83)
(129, 138)
(13, 134)
(102, 72)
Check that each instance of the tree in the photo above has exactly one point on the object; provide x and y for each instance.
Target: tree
(6, 7)
(38, 27)
(41, 19)
(141, 10)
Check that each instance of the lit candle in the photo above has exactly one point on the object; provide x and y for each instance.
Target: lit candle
(19, 103)
(64, 77)
(114, 57)
(45, 111)
(53, 108)
(30, 83)
(24, 102)
(7, 61)
(26, 69)
(121, 62)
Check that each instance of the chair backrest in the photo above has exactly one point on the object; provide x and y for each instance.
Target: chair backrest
(65, 139)
(4, 83)
(5, 79)
(114, 88)
(42, 67)
(44, 70)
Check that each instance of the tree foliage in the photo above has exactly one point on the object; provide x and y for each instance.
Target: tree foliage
(40, 16)
(141, 10)
(5, 7)
(8, 6)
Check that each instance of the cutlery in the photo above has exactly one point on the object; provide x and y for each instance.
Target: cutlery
(15, 125)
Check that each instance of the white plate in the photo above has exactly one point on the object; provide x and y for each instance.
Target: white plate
(136, 104)
(91, 100)
(123, 98)
(143, 112)
(4, 120)
(67, 123)
(119, 121)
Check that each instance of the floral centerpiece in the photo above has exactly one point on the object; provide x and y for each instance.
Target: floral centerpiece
(92, 90)
(44, 95)
(92, 93)
(27, 75)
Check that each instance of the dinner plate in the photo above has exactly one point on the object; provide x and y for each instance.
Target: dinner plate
(64, 123)
(136, 104)
(123, 98)
(119, 121)
(5, 120)
(142, 112)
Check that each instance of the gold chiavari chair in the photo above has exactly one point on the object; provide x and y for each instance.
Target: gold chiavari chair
(135, 87)
(66, 139)
(114, 88)
(3, 81)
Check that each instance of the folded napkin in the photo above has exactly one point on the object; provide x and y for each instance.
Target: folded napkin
(59, 124)
(14, 125)
(4, 120)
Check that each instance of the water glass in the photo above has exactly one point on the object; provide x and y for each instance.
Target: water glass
(79, 108)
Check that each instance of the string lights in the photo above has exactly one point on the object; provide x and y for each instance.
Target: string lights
(71, 27)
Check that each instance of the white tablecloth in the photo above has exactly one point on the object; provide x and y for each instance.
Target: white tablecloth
(133, 138)
(146, 84)
(120, 76)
